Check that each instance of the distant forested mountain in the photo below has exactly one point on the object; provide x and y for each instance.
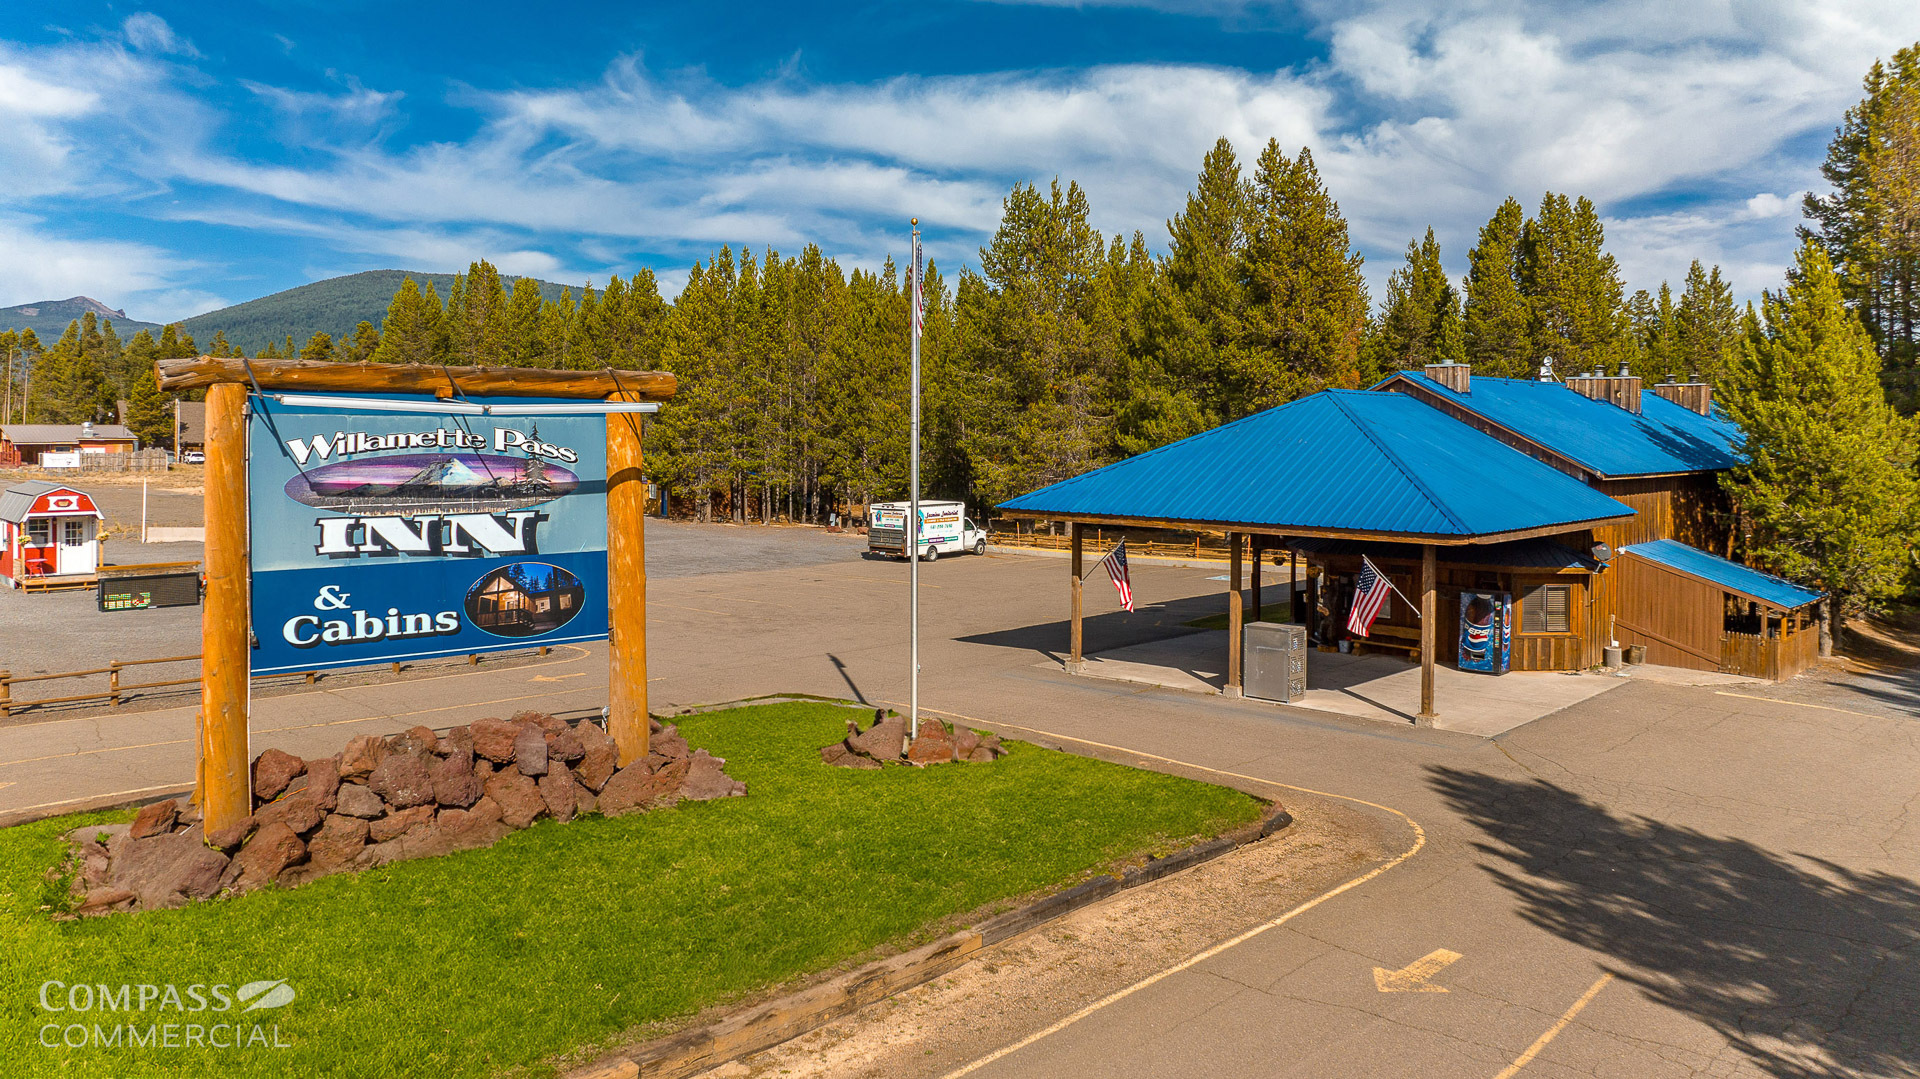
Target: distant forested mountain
(50, 318)
(334, 306)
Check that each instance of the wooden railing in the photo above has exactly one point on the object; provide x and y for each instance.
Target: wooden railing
(1772, 658)
(115, 687)
(1096, 541)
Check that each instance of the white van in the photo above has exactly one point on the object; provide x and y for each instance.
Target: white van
(944, 529)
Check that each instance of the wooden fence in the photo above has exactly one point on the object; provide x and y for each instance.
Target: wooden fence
(1097, 541)
(115, 687)
(1772, 658)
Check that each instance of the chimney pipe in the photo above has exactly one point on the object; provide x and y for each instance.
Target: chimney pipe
(1457, 377)
(1621, 390)
(1692, 394)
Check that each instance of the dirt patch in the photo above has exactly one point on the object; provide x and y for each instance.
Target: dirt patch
(1030, 981)
(1889, 640)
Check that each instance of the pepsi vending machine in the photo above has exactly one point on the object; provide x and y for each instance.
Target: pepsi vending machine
(1486, 631)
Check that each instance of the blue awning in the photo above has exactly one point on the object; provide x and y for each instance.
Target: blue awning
(1732, 576)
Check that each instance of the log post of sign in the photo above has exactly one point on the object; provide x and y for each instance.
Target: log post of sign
(1429, 633)
(225, 794)
(222, 787)
(1075, 661)
(627, 719)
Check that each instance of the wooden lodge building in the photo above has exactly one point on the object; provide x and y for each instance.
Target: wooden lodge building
(1591, 508)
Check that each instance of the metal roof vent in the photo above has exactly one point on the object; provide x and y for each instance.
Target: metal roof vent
(86, 429)
(1546, 370)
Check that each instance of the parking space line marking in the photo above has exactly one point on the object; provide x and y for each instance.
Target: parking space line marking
(1553, 1031)
(1797, 704)
(1419, 841)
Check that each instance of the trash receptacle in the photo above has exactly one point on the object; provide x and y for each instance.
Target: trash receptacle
(1276, 660)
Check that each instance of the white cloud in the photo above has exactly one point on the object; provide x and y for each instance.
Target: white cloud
(150, 33)
(1767, 204)
(41, 265)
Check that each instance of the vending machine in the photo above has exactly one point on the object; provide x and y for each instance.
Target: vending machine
(1486, 631)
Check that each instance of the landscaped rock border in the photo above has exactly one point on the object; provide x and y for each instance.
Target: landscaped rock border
(886, 742)
(384, 799)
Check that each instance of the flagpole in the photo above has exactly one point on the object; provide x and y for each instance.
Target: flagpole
(913, 497)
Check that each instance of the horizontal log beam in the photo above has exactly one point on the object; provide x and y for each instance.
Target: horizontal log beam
(198, 372)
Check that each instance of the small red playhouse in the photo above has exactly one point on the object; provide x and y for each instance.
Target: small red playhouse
(49, 536)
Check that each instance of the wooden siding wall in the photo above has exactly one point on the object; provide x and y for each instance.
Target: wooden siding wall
(1681, 620)
(1691, 508)
(1531, 651)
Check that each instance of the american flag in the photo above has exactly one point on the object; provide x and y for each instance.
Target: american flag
(1116, 563)
(1370, 590)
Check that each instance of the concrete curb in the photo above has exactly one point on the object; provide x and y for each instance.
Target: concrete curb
(17, 817)
(765, 1025)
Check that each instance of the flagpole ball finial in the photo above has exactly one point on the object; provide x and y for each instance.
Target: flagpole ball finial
(913, 220)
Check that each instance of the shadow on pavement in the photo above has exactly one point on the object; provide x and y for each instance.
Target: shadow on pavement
(1808, 968)
(1102, 632)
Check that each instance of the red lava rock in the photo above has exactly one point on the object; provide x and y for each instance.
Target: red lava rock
(883, 741)
(167, 870)
(362, 756)
(965, 741)
(584, 800)
(272, 771)
(300, 812)
(155, 819)
(668, 743)
(530, 751)
(597, 765)
(339, 840)
(705, 781)
(454, 783)
(273, 848)
(518, 797)
(323, 780)
(538, 719)
(932, 747)
(556, 789)
(457, 740)
(398, 823)
(422, 738)
(232, 835)
(103, 900)
(355, 800)
(565, 746)
(634, 788)
(403, 780)
(493, 739)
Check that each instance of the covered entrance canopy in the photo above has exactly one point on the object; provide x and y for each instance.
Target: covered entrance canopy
(1340, 464)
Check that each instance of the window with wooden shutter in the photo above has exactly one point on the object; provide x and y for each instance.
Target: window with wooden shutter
(1547, 609)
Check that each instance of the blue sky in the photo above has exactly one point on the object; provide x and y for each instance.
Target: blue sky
(173, 158)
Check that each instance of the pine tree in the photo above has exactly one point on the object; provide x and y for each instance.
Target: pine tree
(411, 331)
(1421, 323)
(176, 344)
(1870, 225)
(1573, 287)
(1656, 335)
(1306, 301)
(1828, 483)
(362, 345)
(1498, 320)
(220, 348)
(319, 348)
(70, 384)
(1709, 325)
(149, 411)
(1195, 322)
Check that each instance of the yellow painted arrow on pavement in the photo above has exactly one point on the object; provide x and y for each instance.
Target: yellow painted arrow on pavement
(1412, 978)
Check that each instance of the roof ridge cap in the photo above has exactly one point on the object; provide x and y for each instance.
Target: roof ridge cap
(1393, 457)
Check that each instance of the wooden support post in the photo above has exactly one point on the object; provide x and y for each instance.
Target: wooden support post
(6, 694)
(1075, 659)
(225, 793)
(1429, 633)
(1296, 595)
(627, 719)
(113, 681)
(1257, 550)
(1233, 615)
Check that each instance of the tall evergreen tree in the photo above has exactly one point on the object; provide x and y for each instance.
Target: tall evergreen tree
(411, 331)
(1497, 320)
(1196, 319)
(1306, 301)
(1870, 224)
(1709, 325)
(149, 411)
(1656, 335)
(1828, 483)
(1573, 287)
(319, 348)
(362, 345)
(1421, 323)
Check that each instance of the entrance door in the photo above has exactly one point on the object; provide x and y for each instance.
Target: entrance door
(78, 554)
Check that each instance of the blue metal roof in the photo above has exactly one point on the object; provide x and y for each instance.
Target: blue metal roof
(1598, 435)
(1343, 460)
(1732, 576)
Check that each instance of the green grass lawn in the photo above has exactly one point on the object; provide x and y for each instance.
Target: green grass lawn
(562, 936)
